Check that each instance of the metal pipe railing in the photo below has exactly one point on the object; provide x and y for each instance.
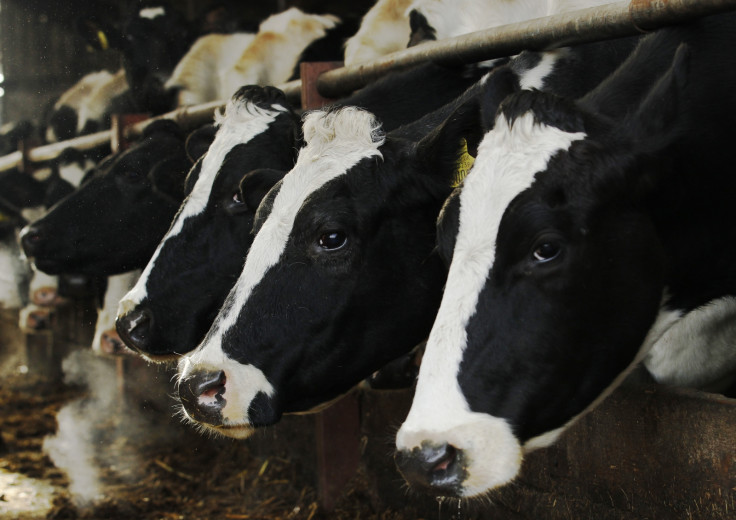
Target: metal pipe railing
(582, 26)
(575, 27)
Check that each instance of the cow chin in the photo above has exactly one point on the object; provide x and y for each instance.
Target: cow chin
(468, 460)
(233, 431)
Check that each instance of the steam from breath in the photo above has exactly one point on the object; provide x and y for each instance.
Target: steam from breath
(93, 431)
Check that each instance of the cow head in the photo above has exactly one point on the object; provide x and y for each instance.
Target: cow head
(340, 279)
(114, 221)
(151, 40)
(556, 276)
(208, 241)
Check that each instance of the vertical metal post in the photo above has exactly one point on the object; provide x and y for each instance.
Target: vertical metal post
(118, 141)
(309, 73)
(337, 428)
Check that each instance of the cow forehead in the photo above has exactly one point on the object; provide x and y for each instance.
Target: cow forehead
(509, 157)
(335, 142)
(240, 124)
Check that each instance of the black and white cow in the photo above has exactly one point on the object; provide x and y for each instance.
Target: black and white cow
(86, 106)
(384, 29)
(218, 64)
(210, 236)
(441, 19)
(589, 236)
(152, 38)
(266, 135)
(114, 221)
(356, 284)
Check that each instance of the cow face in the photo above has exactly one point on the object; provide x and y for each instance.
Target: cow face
(210, 237)
(152, 40)
(114, 221)
(340, 278)
(555, 283)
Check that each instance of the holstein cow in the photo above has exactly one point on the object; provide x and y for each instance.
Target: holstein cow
(370, 228)
(272, 56)
(71, 116)
(106, 340)
(15, 273)
(209, 238)
(441, 19)
(114, 221)
(31, 196)
(208, 244)
(152, 39)
(383, 30)
(589, 236)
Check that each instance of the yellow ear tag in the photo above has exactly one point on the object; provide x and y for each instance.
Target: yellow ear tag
(463, 165)
(104, 44)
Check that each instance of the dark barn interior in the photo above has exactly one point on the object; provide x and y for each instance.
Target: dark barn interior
(84, 436)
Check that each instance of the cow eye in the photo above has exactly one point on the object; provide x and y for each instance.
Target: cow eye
(547, 251)
(333, 240)
(235, 205)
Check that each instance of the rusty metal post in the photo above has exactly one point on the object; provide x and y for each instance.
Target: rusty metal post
(310, 72)
(337, 428)
(118, 138)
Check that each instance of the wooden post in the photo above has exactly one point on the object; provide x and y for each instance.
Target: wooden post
(337, 428)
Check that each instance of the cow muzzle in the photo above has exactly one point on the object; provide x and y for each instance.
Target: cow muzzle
(232, 400)
(438, 469)
(467, 459)
(135, 329)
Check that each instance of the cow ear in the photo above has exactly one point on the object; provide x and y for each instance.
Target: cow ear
(447, 151)
(168, 175)
(199, 141)
(255, 184)
(497, 86)
(656, 121)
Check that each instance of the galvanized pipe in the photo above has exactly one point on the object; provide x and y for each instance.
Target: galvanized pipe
(596, 23)
(186, 117)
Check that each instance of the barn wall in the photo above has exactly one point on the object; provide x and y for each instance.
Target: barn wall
(41, 55)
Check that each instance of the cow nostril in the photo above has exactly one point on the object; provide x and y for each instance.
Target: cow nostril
(135, 328)
(436, 468)
(202, 396)
(446, 459)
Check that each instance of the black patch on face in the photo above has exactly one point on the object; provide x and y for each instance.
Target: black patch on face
(356, 286)
(210, 249)
(113, 223)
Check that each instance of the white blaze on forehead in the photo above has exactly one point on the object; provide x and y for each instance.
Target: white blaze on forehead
(241, 123)
(534, 77)
(509, 157)
(335, 142)
(152, 12)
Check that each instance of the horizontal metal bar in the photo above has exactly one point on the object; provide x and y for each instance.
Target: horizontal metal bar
(187, 117)
(596, 23)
